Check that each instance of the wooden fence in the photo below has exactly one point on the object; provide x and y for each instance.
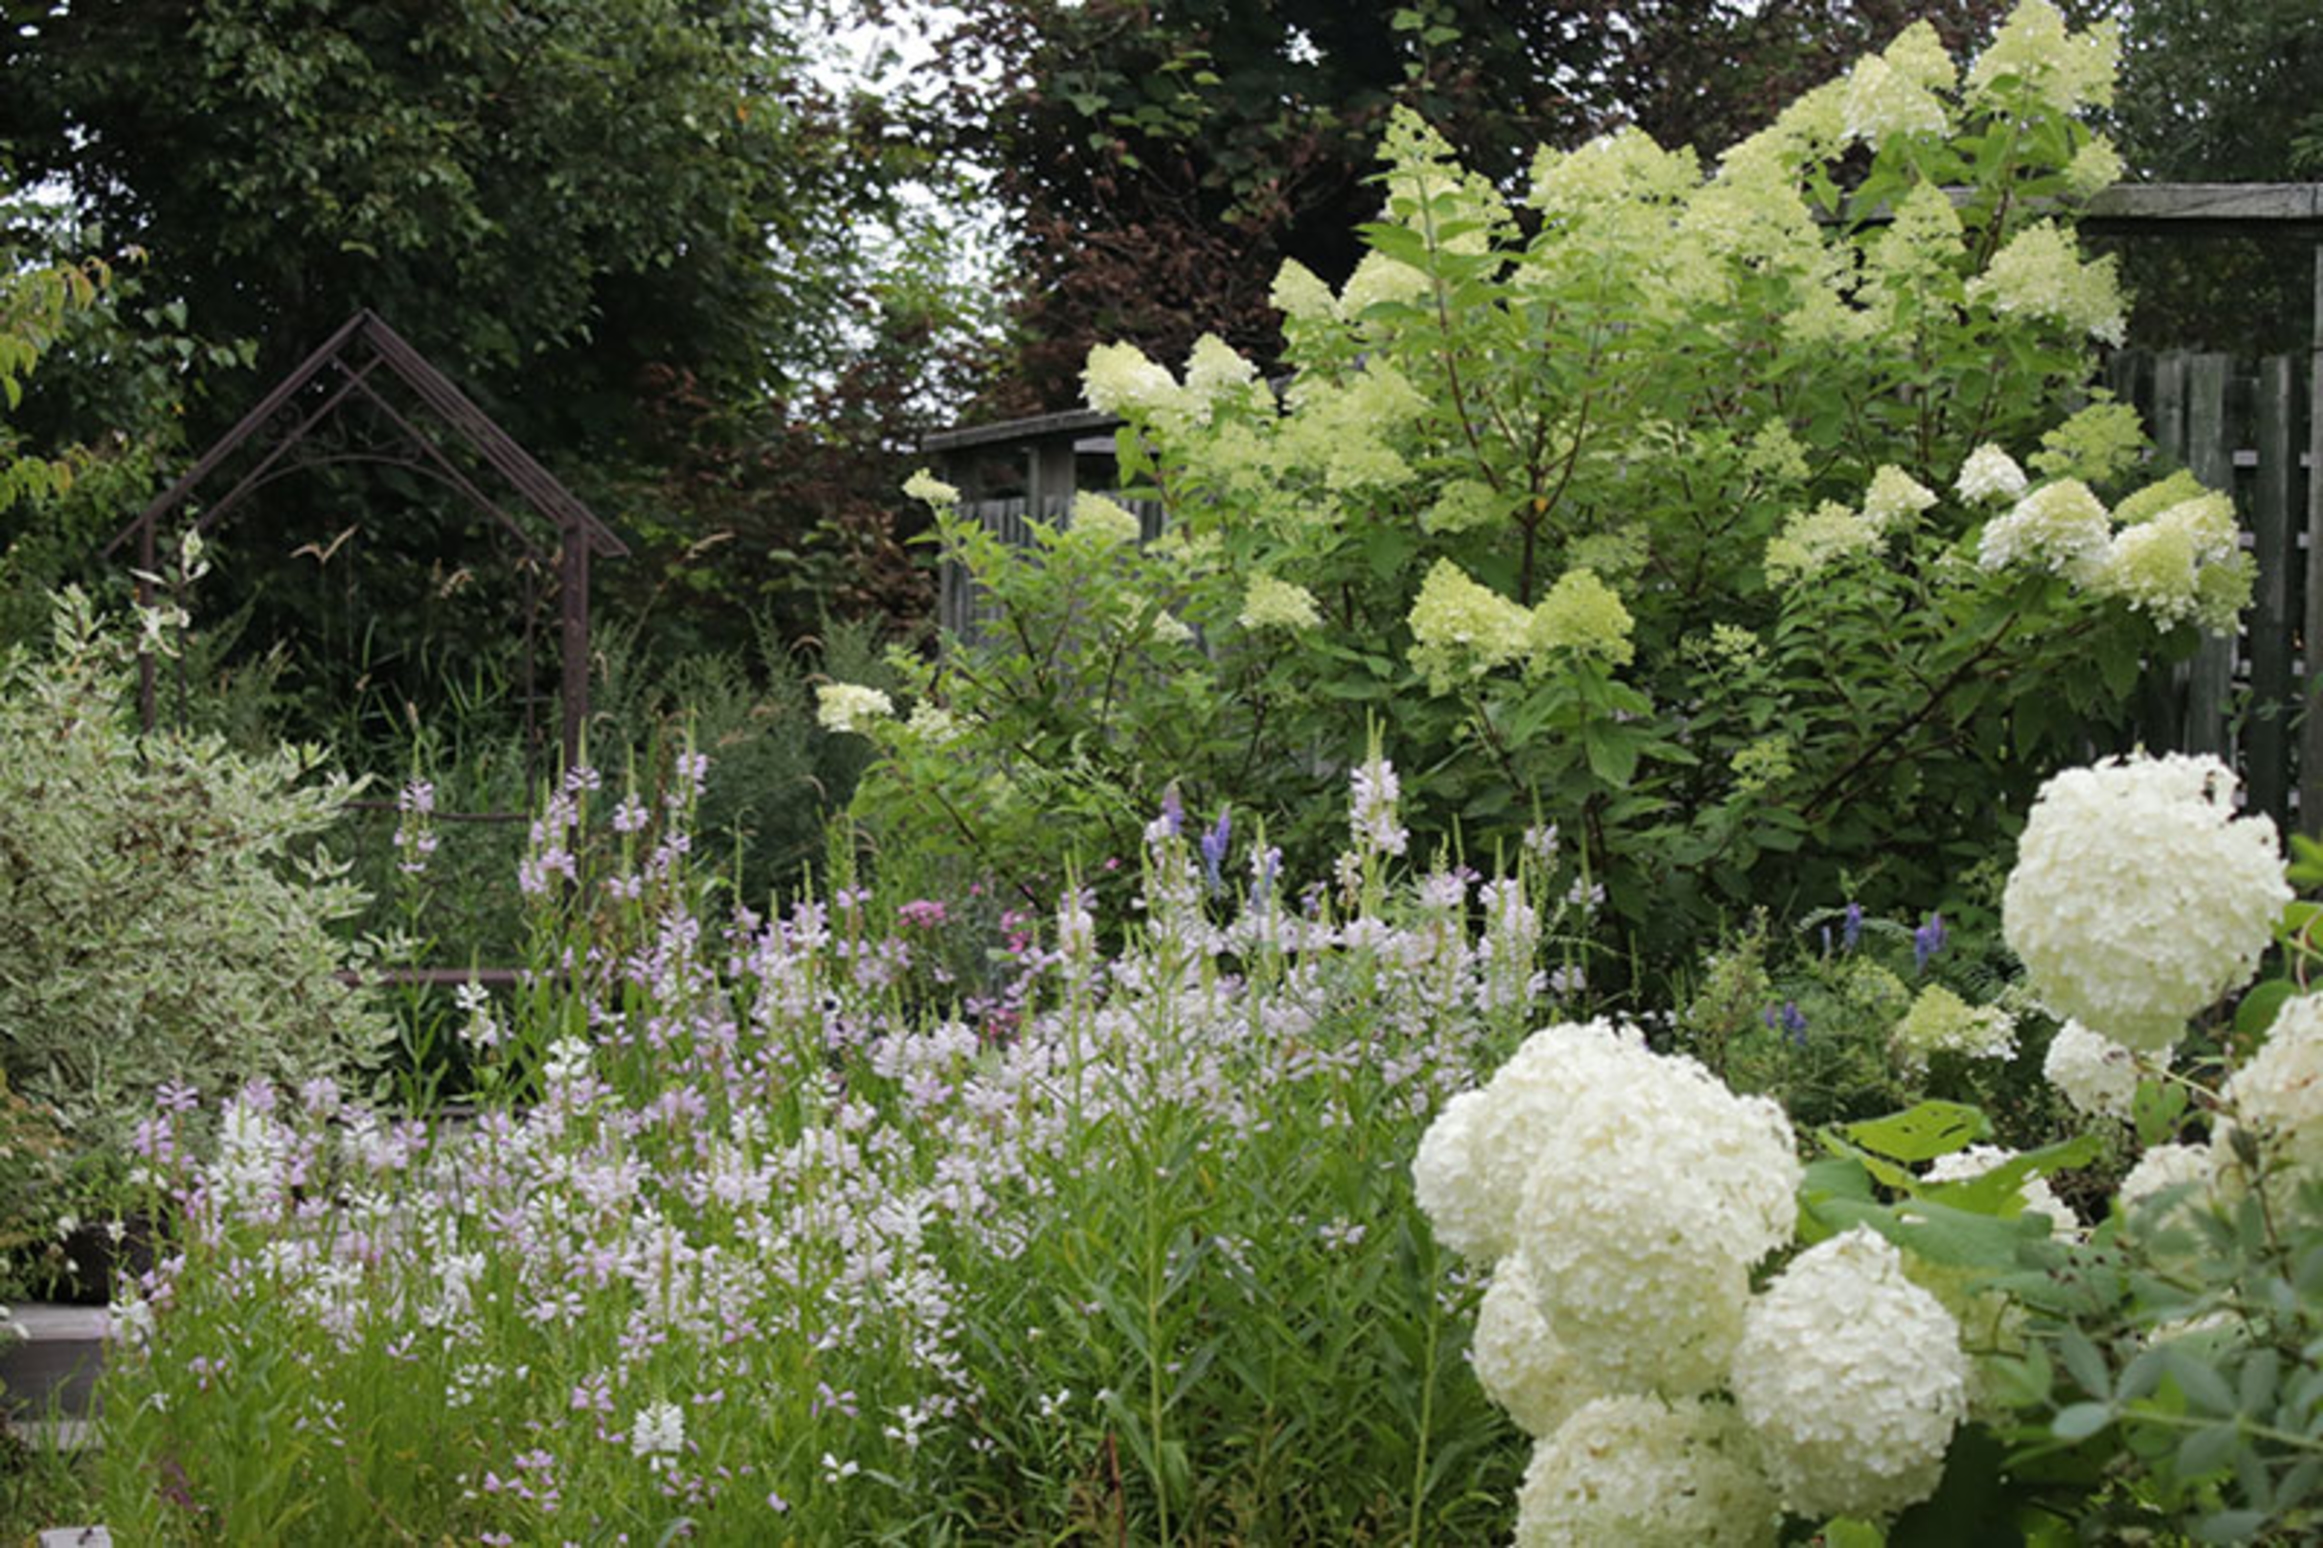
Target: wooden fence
(2249, 427)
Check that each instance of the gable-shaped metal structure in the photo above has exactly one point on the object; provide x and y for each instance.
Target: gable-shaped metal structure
(367, 363)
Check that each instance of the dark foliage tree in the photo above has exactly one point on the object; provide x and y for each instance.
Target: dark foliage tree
(634, 230)
(1159, 159)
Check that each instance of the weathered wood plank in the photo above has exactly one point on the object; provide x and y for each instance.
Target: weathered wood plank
(2311, 724)
(2268, 628)
(2210, 456)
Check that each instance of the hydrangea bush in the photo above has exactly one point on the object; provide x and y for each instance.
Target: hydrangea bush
(1729, 515)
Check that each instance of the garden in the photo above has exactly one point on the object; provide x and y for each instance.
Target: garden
(1587, 948)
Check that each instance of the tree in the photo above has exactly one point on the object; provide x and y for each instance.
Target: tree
(1158, 161)
(637, 232)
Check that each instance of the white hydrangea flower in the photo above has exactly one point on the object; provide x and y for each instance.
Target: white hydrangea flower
(846, 707)
(1379, 279)
(2062, 528)
(1647, 1474)
(1895, 496)
(1470, 1171)
(1104, 521)
(1119, 379)
(1519, 1362)
(924, 485)
(1645, 1281)
(1939, 1021)
(1852, 1378)
(1299, 295)
(2039, 275)
(2160, 565)
(1214, 370)
(2138, 898)
(1278, 604)
(1990, 474)
(931, 722)
(2095, 1074)
(2280, 1091)
(2165, 1166)
(1882, 101)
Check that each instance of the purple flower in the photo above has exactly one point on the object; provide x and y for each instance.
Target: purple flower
(1214, 848)
(1795, 1023)
(1927, 940)
(1173, 812)
(1851, 927)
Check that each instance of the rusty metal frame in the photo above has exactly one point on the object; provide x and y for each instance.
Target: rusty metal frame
(365, 348)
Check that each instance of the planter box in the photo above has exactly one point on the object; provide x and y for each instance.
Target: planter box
(53, 1364)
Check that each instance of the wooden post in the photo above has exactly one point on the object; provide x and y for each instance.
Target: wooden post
(1051, 478)
(2311, 639)
(2270, 630)
(2211, 458)
(148, 712)
(573, 691)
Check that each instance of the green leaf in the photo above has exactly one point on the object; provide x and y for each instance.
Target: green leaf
(2229, 1526)
(1921, 1133)
(2258, 1009)
(2206, 1450)
(2079, 1421)
(2086, 1363)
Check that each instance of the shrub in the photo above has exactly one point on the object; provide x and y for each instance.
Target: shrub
(1689, 510)
(163, 912)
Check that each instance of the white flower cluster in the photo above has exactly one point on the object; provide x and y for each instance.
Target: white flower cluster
(1624, 1197)
(2280, 1091)
(1941, 1022)
(2138, 897)
(2062, 528)
(2096, 1074)
(1990, 474)
(1647, 1474)
(1104, 522)
(845, 707)
(1852, 1378)
(1519, 1362)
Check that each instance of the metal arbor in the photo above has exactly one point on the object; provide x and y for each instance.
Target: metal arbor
(367, 362)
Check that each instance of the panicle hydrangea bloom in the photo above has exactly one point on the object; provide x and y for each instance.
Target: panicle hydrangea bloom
(2156, 498)
(1990, 474)
(2039, 275)
(1647, 1474)
(924, 485)
(1278, 604)
(2064, 69)
(1895, 496)
(1941, 1022)
(1119, 379)
(2061, 528)
(1215, 371)
(1379, 280)
(1462, 630)
(1170, 629)
(2096, 1075)
(2098, 444)
(2095, 167)
(931, 722)
(1852, 1378)
(1300, 296)
(1464, 505)
(1105, 521)
(2138, 897)
(2279, 1092)
(1583, 615)
(845, 707)
(1623, 167)
(1472, 1163)
(1813, 541)
(1883, 101)
(1518, 1360)
(2184, 565)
